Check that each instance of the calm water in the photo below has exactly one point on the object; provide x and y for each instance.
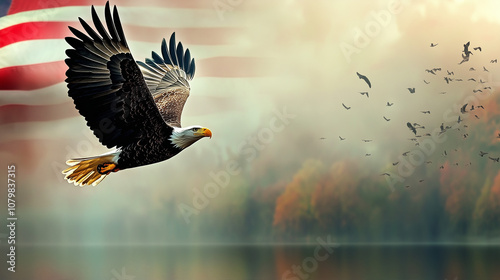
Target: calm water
(256, 262)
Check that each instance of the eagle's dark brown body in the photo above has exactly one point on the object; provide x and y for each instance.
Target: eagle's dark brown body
(131, 106)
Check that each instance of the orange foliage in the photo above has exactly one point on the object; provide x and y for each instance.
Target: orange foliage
(335, 195)
(452, 181)
(318, 196)
(293, 206)
(495, 191)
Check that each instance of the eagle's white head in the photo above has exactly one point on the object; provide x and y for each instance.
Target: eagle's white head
(183, 137)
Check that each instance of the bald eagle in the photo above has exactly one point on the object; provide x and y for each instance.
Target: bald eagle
(133, 107)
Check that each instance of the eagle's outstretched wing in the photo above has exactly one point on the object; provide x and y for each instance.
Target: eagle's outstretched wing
(107, 85)
(167, 79)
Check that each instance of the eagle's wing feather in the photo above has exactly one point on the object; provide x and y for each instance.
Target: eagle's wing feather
(107, 85)
(167, 79)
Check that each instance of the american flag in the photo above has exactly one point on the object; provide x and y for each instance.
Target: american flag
(35, 111)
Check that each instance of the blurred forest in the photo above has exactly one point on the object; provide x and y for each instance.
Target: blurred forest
(277, 197)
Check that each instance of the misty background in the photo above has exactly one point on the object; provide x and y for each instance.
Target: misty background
(292, 178)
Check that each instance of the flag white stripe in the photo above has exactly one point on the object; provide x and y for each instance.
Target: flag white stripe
(54, 94)
(62, 128)
(140, 16)
(50, 50)
(33, 52)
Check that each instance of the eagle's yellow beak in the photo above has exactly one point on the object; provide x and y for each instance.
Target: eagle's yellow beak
(204, 132)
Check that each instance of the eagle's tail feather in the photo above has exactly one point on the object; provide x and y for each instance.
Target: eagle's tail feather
(89, 171)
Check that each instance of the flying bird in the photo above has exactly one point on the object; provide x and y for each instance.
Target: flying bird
(341, 139)
(485, 70)
(365, 93)
(493, 61)
(425, 112)
(363, 77)
(347, 108)
(366, 140)
(389, 104)
(472, 69)
(465, 58)
(477, 48)
(430, 71)
(448, 80)
(131, 106)
(412, 90)
(426, 82)
(495, 159)
(466, 49)
(412, 128)
(462, 110)
(386, 118)
(433, 45)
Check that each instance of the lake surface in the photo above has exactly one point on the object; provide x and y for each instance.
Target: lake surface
(255, 262)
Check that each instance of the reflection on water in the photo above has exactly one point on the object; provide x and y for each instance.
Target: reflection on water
(257, 262)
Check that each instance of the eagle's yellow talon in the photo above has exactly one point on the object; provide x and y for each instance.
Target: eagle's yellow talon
(106, 168)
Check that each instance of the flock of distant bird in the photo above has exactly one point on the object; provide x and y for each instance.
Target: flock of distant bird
(465, 109)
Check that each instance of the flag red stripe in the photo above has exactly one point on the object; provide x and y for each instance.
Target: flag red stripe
(22, 113)
(23, 5)
(12, 113)
(232, 67)
(35, 76)
(18, 6)
(188, 36)
(34, 31)
(56, 30)
(32, 152)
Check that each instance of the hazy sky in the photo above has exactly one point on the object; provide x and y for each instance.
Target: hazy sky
(310, 53)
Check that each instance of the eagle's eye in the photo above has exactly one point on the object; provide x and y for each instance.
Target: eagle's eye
(194, 129)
